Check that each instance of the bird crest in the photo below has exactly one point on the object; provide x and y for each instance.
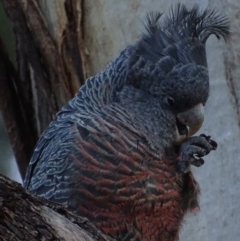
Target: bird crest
(182, 25)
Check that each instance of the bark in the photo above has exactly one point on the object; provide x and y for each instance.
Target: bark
(11, 105)
(50, 69)
(25, 217)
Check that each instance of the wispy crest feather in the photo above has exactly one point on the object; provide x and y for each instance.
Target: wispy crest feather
(196, 23)
(182, 23)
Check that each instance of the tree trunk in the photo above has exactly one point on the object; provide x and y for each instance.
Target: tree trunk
(50, 70)
(25, 217)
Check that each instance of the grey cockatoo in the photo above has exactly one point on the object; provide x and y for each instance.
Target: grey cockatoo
(119, 153)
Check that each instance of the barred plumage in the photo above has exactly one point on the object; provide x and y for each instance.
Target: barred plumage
(119, 152)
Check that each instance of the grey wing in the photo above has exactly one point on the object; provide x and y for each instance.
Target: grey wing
(49, 170)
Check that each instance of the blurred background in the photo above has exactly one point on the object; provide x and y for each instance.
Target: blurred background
(8, 164)
(108, 27)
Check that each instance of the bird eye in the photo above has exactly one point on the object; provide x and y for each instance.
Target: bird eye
(170, 101)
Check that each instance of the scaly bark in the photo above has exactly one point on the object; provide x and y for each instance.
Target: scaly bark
(25, 217)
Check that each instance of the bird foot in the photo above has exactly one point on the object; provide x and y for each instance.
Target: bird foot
(192, 151)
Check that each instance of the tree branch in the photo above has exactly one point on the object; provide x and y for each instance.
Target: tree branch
(25, 217)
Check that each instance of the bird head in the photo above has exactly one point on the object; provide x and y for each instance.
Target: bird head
(185, 92)
(173, 65)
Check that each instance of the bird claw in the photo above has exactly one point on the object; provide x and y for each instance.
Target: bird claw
(192, 151)
(212, 142)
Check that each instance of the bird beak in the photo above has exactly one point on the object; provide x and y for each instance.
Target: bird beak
(192, 120)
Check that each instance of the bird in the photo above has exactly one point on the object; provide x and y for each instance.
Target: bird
(120, 152)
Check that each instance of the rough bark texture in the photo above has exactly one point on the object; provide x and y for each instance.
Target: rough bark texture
(50, 70)
(24, 217)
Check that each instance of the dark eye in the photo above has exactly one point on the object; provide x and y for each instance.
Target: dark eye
(169, 101)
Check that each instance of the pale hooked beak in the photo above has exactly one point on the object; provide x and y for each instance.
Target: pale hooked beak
(189, 122)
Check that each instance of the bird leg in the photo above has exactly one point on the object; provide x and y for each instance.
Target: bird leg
(192, 151)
